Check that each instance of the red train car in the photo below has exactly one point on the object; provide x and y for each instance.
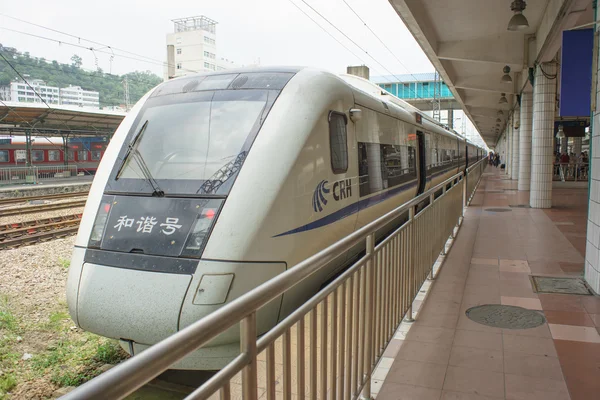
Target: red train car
(85, 156)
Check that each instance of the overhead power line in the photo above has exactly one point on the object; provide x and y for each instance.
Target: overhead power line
(94, 50)
(327, 32)
(378, 38)
(356, 44)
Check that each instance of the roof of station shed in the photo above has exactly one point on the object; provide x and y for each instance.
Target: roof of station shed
(469, 44)
(16, 118)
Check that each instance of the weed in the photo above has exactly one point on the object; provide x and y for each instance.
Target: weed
(7, 383)
(8, 321)
(65, 263)
(109, 353)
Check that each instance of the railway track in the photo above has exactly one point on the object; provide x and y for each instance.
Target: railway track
(31, 232)
(18, 200)
(41, 208)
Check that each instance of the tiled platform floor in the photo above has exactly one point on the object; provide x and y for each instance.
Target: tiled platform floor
(444, 355)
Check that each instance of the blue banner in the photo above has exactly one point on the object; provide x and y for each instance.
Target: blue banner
(576, 73)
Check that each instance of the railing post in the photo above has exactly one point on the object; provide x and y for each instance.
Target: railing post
(248, 346)
(368, 340)
(411, 265)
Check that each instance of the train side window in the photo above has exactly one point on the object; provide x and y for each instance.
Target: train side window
(338, 142)
(4, 156)
(53, 155)
(383, 166)
(96, 155)
(82, 155)
(71, 155)
(37, 155)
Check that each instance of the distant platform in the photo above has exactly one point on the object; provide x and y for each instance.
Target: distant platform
(75, 184)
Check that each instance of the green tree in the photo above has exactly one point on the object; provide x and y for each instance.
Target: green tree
(76, 61)
(62, 75)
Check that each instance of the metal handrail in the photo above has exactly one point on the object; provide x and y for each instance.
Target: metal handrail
(125, 378)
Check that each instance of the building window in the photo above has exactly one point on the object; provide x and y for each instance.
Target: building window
(4, 156)
(37, 155)
(178, 65)
(209, 66)
(178, 51)
(82, 155)
(338, 142)
(178, 40)
(209, 54)
(53, 155)
(209, 40)
(96, 154)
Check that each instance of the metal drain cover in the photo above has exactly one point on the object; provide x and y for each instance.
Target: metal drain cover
(497, 209)
(506, 317)
(548, 284)
(519, 205)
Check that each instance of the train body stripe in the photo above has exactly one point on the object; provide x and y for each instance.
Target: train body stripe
(356, 207)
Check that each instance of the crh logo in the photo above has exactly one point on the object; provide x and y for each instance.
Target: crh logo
(319, 196)
(341, 190)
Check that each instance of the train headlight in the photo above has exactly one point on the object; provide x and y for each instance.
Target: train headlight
(199, 234)
(100, 222)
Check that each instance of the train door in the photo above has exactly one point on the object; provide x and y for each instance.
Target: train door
(422, 162)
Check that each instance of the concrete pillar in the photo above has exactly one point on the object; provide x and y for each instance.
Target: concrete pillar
(564, 145)
(592, 252)
(361, 70)
(515, 147)
(577, 145)
(525, 141)
(509, 147)
(544, 106)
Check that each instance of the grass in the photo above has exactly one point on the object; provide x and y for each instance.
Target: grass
(74, 362)
(57, 321)
(8, 321)
(7, 383)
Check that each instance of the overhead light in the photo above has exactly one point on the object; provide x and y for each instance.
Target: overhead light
(506, 77)
(498, 120)
(500, 113)
(561, 132)
(503, 99)
(518, 22)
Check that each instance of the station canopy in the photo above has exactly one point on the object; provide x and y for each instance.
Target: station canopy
(57, 120)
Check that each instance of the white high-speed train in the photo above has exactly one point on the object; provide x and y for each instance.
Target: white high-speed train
(216, 183)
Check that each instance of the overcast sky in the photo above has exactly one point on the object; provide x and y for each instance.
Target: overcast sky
(272, 31)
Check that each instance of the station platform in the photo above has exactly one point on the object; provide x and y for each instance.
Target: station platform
(51, 186)
(445, 355)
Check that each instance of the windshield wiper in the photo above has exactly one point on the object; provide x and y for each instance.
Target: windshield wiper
(132, 145)
(156, 190)
(132, 148)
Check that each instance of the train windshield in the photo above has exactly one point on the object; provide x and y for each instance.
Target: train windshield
(190, 143)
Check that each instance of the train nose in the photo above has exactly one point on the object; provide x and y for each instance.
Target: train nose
(130, 304)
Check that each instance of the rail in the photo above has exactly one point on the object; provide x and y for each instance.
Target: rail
(332, 342)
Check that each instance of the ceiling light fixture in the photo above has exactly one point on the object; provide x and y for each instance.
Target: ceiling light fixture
(498, 120)
(500, 113)
(561, 132)
(503, 99)
(518, 22)
(506, 77)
